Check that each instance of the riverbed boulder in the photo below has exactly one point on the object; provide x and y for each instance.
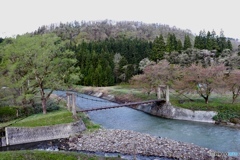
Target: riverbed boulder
(109, 97)
(235, 120)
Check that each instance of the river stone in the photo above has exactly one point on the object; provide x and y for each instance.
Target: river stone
(235, 120)
(109, 97)
(98, 94)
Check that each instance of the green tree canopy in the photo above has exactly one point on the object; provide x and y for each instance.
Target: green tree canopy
(36, 63)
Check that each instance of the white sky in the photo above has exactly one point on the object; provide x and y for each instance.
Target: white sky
(21, 16)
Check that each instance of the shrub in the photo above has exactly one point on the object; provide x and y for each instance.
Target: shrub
(7, 113)
(51, 106)
(225, 113)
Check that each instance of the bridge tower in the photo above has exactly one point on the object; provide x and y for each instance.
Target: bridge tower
(163, 92)
(71, 97)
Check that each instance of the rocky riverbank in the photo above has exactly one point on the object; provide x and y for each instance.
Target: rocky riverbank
(134, 143)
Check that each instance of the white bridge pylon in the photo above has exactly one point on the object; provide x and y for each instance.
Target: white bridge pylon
(163, 92)
(71, 97)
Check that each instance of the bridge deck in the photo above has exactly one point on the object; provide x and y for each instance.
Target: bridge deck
(121, 105)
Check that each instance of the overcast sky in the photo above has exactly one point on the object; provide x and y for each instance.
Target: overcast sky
(21, 16)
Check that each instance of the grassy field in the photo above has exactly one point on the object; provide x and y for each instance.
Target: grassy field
(60, 116)
(46, 155)
(220, 103)
(125, 91)
(52, 118)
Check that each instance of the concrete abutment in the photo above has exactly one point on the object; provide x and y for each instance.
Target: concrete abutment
(21, 135)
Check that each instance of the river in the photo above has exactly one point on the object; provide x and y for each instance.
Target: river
(219, 138)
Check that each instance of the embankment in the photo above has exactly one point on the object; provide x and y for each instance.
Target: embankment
(172, 112)
(21, 135)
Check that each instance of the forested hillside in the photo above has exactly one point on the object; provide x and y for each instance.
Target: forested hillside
(109, 52)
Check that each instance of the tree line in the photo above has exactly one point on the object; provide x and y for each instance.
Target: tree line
(118, 59)
(211, 41)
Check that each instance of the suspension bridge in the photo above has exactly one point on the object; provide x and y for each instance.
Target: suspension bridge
(71, 101)
(123, 105)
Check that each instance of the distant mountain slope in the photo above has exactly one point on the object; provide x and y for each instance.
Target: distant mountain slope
(100, 30)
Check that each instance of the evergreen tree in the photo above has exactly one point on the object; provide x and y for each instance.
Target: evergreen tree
(109, 79)
(214, 40)
(209, 43)
(187, 42)
(222, 43)
(159, 49)
(229, 44)
(203, 38)
(169, 47)
(89, 77)
(121, 69)
(123, 62)
(197, 42)
(1, 40)
(98, 76)
(171, 43)
(179, 45)
(129, 72)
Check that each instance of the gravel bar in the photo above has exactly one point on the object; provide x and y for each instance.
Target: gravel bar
(135, 143)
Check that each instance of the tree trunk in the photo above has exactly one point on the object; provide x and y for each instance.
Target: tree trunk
(158, 93)
(234, 97)
(235, 94)
(44, 105)
(206, 99)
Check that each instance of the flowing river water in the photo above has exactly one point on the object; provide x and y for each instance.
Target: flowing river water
(219, 138)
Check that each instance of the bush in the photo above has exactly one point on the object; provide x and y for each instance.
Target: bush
(51, 106)
(225, 113)
(7, 113)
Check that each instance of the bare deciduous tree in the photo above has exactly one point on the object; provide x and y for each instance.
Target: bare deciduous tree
(233, 84)
(202, 80)
(162, 73)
